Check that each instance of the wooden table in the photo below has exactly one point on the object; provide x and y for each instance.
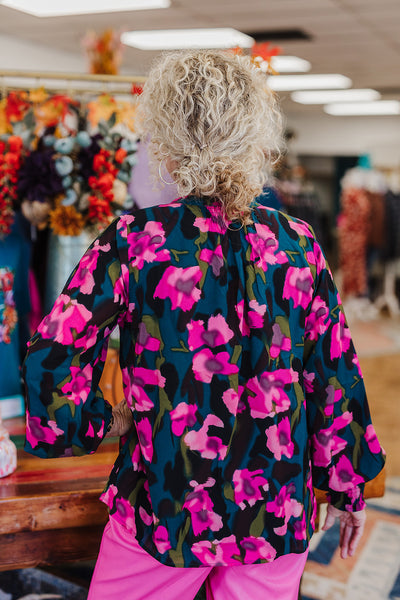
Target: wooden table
(49, 508)
(50, 511)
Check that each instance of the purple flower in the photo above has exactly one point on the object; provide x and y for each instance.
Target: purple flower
(38, 178)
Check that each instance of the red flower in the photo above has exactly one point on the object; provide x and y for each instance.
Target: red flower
(265, 51)
(16, 106)
(98, 162)
(120, 155)
(10, 163)
(136, 89)
(14, 143)
(99, 209)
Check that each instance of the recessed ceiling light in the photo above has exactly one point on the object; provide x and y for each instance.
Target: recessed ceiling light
(57, 8)
(325, 96)
(175, 39)
(287, 64)
(383, 107)
(308, 82)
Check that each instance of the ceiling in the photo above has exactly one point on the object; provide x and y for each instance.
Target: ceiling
(358, 38)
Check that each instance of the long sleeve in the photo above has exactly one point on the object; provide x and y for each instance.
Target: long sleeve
(345, 452)
(66, 411)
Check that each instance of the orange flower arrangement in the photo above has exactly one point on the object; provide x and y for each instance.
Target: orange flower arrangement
(104, 51)
(262, 52)
(10, 163)
(66, 220)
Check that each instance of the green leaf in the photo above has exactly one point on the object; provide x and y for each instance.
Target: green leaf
(257, 526)
(112, 120)
(103, 129)
(228, 492)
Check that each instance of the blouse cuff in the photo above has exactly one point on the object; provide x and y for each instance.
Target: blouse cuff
(352, 500)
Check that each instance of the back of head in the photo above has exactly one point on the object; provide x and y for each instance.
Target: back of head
(213, 115)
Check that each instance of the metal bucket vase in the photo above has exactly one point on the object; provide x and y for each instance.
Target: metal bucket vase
(64, 253)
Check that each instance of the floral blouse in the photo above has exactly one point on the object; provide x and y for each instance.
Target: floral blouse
(238, 366)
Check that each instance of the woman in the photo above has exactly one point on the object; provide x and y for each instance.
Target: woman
(242, 387)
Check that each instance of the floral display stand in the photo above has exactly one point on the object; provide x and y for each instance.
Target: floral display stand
(64, 253)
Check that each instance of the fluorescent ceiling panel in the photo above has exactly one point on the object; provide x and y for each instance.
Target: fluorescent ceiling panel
(328, 96)
(308, 82)
(288, 64)
(354, 109)
(58, 8)
(175, 39)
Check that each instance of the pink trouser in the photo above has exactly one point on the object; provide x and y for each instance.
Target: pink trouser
(125, 571)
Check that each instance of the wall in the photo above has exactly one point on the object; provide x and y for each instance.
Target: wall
(21, 55)
(342, 136)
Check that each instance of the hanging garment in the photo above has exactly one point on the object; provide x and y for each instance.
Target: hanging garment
(353, 234)
(14, 308)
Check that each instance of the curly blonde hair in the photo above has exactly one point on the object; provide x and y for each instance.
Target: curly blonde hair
(213, 115)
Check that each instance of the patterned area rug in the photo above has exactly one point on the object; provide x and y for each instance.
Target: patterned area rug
(374, 572)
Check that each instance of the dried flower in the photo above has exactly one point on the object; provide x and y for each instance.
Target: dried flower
(66, 220)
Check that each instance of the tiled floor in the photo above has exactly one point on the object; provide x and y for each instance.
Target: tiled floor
(378, 346)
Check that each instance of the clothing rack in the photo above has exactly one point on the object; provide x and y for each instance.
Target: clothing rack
(68, 82)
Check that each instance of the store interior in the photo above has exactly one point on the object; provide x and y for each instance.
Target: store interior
(69, 85)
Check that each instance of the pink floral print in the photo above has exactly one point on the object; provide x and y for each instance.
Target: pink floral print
(298, 286)
(238, 367)
(145, 246)
(342, 476)
(67, 315)
(200, 506)
(184, 415)
(78, 388)
(279, 440)
(248, 486)
(179, 285)
(268, 393)
(206, 365)
(83, 277)
(216, 333)
(209, 446)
